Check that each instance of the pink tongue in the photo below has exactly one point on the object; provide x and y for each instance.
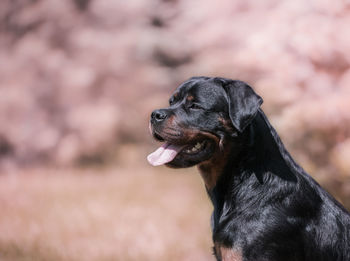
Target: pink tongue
(166, 153)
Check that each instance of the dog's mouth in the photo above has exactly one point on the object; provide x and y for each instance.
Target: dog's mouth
(172, 153)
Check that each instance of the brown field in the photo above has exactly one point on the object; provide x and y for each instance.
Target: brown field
(111, 214)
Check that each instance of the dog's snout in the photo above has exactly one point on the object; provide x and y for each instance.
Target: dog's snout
(158, 115)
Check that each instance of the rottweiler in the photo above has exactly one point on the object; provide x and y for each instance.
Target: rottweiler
(266, 207)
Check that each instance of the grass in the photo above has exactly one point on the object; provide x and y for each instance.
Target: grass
(139, 213)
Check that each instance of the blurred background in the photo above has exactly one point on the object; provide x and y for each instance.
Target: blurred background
(79, 79)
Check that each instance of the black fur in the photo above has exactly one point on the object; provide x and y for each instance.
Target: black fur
(265, 204)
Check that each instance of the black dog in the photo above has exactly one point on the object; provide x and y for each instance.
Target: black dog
(265, 206)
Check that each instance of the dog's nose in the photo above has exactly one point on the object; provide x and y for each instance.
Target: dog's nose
(158, 115)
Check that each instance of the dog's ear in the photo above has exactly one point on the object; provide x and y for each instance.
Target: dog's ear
(243, 103)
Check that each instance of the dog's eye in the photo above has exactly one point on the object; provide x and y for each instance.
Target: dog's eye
(195, 106)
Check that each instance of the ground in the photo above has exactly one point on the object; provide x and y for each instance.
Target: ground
(111, 214)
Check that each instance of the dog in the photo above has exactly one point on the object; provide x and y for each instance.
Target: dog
(266, 207)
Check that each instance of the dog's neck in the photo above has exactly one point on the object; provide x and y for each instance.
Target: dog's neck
(264, 145)
(251, 152)
(212, 169)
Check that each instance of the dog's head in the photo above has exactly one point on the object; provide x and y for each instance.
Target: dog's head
(203, 113)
